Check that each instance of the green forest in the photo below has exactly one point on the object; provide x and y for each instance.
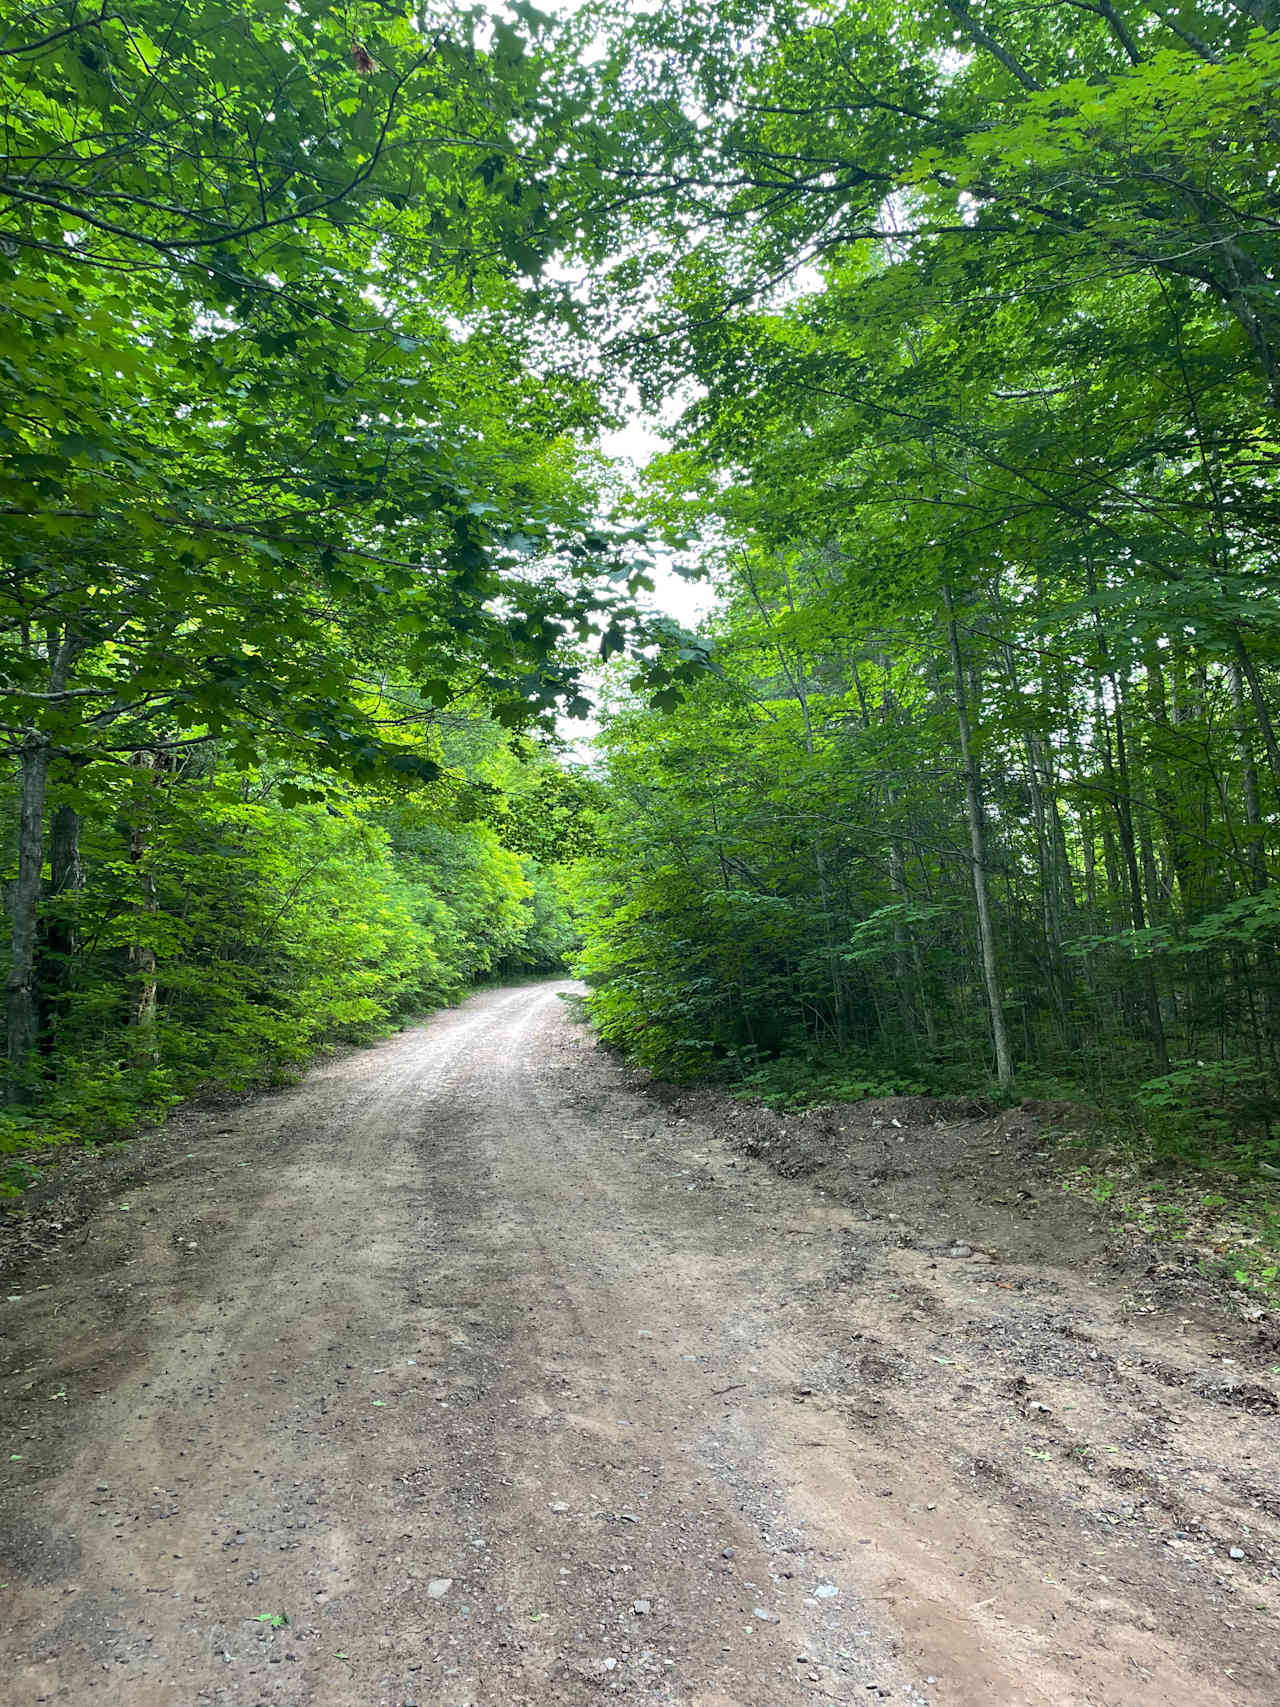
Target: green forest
(960, 326)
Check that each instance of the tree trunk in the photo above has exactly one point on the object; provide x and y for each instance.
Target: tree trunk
(22, 991)
(1089, 859)
(1261, 709)
(22, 995)
(142, 954)
(907, 959)
(1137, 908)
(1167, 761)
(59, 939)
(1117, 771)
(1255, 830)
(978, 855)
(1050, 894)
(66, 870)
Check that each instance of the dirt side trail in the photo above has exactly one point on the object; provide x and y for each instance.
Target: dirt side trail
(506, 1385)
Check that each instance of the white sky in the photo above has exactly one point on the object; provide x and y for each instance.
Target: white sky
(633, 446)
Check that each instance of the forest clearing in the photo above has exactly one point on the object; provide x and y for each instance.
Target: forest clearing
(469, 1372)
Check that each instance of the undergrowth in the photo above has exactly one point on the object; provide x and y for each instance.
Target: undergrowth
(807, 1078)
(1214, 1192)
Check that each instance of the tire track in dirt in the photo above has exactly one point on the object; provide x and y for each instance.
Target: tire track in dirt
(506, 1389)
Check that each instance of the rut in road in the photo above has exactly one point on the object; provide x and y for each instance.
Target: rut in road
(503, 1389)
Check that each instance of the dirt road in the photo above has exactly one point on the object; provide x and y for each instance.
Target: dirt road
(502, 1385)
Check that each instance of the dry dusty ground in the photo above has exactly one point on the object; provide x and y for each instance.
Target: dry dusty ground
(506, 1383)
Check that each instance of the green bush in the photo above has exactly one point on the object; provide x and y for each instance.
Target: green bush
(268, 932)
(1213, 1113)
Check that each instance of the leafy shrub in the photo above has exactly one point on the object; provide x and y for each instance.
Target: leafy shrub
(1213, 1112)
(804, 1081)
(275, 931)
(24, 1143)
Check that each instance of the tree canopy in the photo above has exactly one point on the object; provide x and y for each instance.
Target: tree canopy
(284, 478)
(974, 310)
(969, 317)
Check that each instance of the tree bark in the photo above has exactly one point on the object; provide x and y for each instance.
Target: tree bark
(22, 995)
(978, 855)
(66, 869)
(1261, 709)
(1256, 831)
(59, 938)
(142, 954)
(1117, 771)
(22, 990)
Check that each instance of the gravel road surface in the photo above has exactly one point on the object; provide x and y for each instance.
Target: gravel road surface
(463, 1374)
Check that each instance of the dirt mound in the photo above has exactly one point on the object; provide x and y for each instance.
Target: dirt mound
(938, 1171)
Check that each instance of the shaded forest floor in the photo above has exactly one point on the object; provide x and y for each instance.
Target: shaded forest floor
(472, 1370)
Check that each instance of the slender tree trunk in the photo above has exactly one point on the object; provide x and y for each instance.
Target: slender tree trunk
(1050, 893)
(907, 958)
(1166, 753)
(1260, 706)
(22, 992)
(1138, 912)
(1117, 769)
(142, 954)
(22, 997)
(1089, 857)
(1255, 831)
(1046, 892)
(978, 855)
(142, 957)
(59, 940)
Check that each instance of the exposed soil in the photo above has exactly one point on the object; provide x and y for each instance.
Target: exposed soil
(508, 1382)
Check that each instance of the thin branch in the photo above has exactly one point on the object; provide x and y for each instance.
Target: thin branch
(103, 17)
(975, 30)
